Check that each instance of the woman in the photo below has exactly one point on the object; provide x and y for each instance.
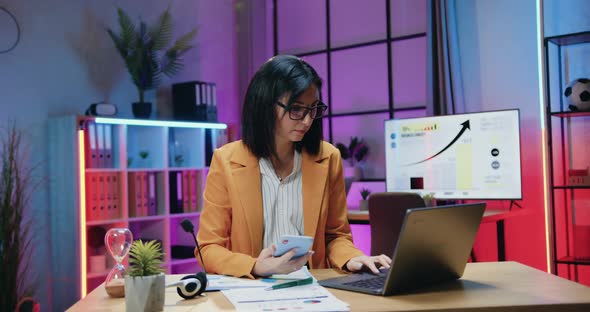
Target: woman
(280, 179)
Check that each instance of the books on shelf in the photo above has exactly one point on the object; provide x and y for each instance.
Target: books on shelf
(142, 194)
(98, 145)
(195, 100)
(186, 190)
(90, 145)
(151, 199)
(176, 193)
(134, 193)
(102, 196)
(107, 137)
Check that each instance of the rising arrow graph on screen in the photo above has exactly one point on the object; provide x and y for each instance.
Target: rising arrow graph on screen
(465, 127)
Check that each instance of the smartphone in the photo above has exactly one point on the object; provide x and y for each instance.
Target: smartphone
(288, 242)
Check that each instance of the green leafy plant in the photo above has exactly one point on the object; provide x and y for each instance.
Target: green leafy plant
(145, 258)
(365, 193)
(144, 154)
(145, 50)
(356, 150)
(178, 159)
(17, 184)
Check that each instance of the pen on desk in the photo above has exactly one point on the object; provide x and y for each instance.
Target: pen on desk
(306, 281)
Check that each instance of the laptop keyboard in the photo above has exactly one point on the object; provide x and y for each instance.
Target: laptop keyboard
(376, 282)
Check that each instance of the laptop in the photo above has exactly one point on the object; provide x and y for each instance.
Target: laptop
(434, 245)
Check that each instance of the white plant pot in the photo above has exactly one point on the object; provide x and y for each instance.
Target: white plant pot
(144, 293)
(354, 172)
(351, 174)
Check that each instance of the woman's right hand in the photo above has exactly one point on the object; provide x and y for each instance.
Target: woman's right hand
(267, 265)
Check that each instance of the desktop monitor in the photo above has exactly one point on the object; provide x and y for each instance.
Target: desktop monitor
(463, 156)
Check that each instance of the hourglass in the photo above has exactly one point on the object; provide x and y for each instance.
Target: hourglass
(118, 242)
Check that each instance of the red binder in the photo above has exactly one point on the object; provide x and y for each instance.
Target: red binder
(108, 195)
(135, 202)
(91, 197)
(102, 212)
(115, 203)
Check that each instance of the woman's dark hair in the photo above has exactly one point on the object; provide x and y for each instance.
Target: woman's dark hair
(280, 75)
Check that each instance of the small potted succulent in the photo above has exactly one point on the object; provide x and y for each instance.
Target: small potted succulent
(145, 281)
(364, 203)
(144, 161)
(429, 199)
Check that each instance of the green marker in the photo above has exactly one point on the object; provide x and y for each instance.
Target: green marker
(306, 281)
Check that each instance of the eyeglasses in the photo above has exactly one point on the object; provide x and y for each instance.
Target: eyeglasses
(298, 112)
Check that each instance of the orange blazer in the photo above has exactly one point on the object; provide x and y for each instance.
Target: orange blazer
(231, 223)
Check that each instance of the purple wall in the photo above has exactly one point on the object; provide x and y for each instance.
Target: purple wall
(65, 61)
(359, 76)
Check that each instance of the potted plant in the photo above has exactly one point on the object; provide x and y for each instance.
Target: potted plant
(17, 184)
(354, 153)
(144, 283)
(148, 55)
(364, 203)
(429, 200)
(143, 155)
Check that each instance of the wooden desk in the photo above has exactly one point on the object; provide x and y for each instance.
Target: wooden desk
(490, 215)
(358, 216)
(486, 286)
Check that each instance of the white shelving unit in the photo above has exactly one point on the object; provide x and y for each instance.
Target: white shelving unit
(171, 147)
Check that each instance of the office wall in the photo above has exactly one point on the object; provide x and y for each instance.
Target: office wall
(254, 40)
(565, 16)
(498, 48)
(65, 61)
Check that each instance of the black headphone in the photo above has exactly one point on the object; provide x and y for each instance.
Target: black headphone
(191, 286)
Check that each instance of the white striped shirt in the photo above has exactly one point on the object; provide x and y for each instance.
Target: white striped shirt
(282, 201)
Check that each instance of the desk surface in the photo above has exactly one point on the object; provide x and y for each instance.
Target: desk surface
(487, 286)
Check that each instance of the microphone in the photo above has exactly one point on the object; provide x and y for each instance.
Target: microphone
(188, 227)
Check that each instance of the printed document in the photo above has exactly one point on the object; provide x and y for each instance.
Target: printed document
(221, 282)
(300, 298)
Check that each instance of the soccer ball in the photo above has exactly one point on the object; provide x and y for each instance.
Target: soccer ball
(577, 94)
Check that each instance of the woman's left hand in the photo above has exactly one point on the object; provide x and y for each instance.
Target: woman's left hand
(357, 263)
